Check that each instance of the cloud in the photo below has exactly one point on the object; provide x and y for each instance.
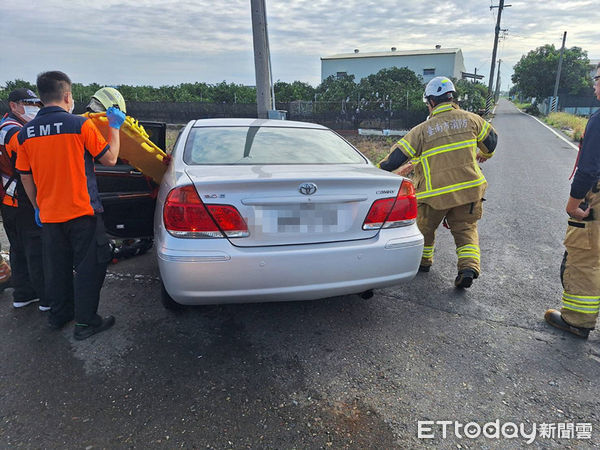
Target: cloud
(169, 42)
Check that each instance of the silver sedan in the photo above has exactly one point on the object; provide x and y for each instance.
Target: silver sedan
(255, 210)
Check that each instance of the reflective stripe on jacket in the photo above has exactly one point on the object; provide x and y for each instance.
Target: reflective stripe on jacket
(9, 128)
(443, 149)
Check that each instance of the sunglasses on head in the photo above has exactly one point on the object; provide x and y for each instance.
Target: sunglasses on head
(31, 102)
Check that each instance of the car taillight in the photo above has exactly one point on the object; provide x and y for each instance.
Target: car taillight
(185, 215)
(229, 220)
(393, 212)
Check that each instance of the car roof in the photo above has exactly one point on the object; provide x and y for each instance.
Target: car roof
(242, 122)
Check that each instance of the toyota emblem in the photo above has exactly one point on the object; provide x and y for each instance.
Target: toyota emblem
(307, 188)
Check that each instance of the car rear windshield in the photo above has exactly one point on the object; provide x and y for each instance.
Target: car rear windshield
(267, 145)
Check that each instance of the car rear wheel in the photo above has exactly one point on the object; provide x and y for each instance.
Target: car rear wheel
(167, 301)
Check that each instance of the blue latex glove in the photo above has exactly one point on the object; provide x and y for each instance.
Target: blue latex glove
(115, 117)
(37, 218)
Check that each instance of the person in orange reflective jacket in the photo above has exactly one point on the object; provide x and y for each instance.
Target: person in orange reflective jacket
(18, 216)
(444, 152)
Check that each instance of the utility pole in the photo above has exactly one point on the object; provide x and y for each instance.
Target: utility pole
(261, 58)
(554, 106)
(497, 92)
(488, 105)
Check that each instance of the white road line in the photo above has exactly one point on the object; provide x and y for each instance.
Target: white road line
(551, 129)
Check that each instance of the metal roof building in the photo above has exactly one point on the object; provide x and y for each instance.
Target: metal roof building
(427, 63)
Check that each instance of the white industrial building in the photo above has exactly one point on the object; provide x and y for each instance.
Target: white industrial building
(427, 63)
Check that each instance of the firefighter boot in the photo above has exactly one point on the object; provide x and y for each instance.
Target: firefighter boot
(554, 318)
(465, 278)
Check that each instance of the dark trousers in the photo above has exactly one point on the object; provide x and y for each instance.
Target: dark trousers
(76, 254)
(26, 260)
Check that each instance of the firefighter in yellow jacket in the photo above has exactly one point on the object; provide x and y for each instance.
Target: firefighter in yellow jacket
(444, 152)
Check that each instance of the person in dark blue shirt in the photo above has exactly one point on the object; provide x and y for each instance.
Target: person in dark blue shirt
(580, 270)
(55, 160)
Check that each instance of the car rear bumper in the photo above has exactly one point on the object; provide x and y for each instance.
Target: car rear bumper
(228, 274)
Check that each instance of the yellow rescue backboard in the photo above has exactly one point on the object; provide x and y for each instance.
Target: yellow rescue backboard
(136, 148)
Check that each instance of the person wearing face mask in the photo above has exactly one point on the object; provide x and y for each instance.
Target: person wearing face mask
(55, 160)
(18, 216)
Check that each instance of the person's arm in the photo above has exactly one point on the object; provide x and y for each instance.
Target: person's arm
(30, 189)
(109, 158)
(573, 209)
(486, 142)
(588, 165)
(23, 167)
(588, 169)
(95, 143)
(393, 160)
(405, 169)
(401, 153)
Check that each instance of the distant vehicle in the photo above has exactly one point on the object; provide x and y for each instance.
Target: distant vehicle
(266, 210)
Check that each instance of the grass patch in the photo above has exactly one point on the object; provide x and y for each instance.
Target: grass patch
(172, 133)
(373, 147)
(522, 105)
(572, 125)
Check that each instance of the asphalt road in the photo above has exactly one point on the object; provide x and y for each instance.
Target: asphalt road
(335, 373)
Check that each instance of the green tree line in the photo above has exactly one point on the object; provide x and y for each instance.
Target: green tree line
(389, 89)
(535, 73)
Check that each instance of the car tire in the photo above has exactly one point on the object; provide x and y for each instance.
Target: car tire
(167, 301)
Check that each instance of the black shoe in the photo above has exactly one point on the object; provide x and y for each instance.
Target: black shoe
(83, 331)
(554, 318)
(465, 278)
(423, 268)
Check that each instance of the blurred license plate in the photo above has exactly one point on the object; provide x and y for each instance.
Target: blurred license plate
(304, 218)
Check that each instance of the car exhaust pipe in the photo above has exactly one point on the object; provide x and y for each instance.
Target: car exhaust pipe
(367, 294)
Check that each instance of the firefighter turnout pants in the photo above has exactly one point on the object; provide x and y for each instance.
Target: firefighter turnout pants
(580, 270)
(462, 221)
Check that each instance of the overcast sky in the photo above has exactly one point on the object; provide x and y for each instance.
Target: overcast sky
(156, 42)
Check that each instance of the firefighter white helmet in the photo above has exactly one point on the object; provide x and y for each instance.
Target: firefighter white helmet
(438, 86)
